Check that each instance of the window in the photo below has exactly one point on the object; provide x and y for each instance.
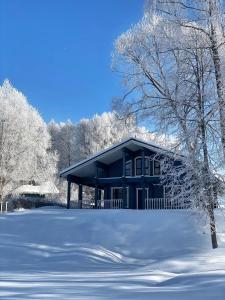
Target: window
(128, 168)
(147, 169)
(157, 168)
(117, 194)
(138, 166)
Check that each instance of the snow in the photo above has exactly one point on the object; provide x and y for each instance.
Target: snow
(43, 189)
(109, 254)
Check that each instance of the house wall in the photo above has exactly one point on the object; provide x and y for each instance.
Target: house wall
(116, 169)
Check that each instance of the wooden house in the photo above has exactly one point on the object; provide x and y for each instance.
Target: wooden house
(126, 175)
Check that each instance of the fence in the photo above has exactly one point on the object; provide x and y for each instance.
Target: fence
(4, 206)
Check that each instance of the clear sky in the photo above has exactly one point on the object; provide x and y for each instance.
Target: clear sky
(58, 52)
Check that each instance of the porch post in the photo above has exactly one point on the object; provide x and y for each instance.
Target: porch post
(124, 193)
(123, 178)
(105, 196)
(80, 195)
(96, 185)
(124, 162)
(68, 193)
(142, 162)
(143, 178)
(96, 196)
(143, 193)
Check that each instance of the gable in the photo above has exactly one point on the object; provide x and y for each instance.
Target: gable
(112, 155)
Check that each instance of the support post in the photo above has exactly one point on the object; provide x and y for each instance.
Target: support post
(96, 184)
(96, 196)
(143, 194)
(143, 178)
(68, 193)
(80, 195)
(123, 179)
(124, 163)
(143, 162)
(105, 196)
(124, 192)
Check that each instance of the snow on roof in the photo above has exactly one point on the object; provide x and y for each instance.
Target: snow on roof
(43, 189)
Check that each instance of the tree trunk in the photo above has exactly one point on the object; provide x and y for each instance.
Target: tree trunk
(218, 75)
(212, 227)
(208, 186)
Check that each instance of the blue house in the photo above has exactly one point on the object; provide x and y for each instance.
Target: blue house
(126, 175)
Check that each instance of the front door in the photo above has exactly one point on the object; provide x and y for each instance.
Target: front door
(139, 203)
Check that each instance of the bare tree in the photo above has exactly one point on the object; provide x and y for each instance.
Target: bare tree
(206, 17)
(171, 74)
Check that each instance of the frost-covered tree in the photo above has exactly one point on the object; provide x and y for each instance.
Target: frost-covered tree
(171, 82)
(74, 142)
(103, 131)
(25, 146)
(64, 139)
(207, 18)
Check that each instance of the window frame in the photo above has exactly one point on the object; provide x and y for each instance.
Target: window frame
(135, 165)
(130, 162)
(160, 167)
(120, 188)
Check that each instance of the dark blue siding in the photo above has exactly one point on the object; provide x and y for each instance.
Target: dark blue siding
(115, 169)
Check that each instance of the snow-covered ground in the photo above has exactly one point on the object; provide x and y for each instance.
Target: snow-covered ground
(118, 254)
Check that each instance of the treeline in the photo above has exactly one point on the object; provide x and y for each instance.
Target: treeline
(33, 152)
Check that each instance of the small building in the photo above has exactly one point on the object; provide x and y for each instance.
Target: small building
(46, 189)
(126, 175)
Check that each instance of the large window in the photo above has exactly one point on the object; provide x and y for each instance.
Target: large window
(157, 168)
(128, 168)
(117, 194)
(147, 166)
(138, 166)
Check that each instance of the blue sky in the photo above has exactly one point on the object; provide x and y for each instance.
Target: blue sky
(58, 52)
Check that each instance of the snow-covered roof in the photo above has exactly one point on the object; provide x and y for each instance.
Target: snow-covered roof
(112, 154)
(43, 189)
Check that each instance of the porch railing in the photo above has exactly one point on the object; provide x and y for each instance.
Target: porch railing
(110, 204)
(102, 204)
(150, 203)
(165, 203)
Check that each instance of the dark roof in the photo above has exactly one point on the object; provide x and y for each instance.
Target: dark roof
(111, 154)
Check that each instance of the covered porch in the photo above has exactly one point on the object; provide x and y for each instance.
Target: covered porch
(120, 193)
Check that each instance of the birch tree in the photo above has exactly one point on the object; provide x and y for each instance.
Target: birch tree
(206, 17)
(169, 74)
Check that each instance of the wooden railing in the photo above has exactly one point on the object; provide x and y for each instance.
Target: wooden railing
(110, 204)
(101, 204)
(164, 203)
(150, 203)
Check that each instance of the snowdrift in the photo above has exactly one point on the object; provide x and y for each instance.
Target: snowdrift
(109, 254)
